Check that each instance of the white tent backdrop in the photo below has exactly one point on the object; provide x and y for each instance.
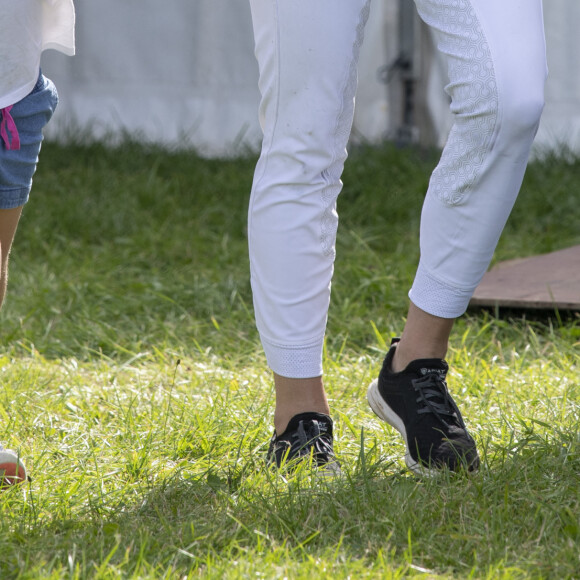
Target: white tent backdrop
(183, 72)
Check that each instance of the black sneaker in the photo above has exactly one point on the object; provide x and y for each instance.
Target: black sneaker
(308, 435)
(416, 403)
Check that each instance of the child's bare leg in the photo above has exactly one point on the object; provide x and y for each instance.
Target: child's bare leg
(8, 223)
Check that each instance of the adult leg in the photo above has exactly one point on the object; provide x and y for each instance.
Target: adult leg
(496, 61)
(307, 54)
(497, 67)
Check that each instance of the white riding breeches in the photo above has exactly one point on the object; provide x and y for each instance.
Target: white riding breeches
(307, 52)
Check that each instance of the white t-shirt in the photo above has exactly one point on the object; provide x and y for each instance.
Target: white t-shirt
(27, 27)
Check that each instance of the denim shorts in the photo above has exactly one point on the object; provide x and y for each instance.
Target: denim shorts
(17, 166)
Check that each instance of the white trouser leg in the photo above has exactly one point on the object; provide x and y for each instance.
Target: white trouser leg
(497, 68)
(307, 53)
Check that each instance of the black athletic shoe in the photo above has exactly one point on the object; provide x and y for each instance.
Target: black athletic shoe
(416, 403)
(308, 435)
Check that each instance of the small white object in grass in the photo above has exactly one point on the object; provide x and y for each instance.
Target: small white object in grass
(12, 470)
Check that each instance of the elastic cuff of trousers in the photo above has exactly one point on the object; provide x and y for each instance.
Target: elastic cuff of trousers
(295, 362)
(436, 297)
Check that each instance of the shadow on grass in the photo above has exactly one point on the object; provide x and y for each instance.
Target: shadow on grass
(520, 512)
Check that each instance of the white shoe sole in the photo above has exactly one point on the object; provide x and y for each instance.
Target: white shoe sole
(382, 410)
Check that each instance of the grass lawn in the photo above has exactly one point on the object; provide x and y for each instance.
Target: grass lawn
(134, 385)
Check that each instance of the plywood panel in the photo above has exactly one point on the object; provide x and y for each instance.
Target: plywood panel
(546, 281)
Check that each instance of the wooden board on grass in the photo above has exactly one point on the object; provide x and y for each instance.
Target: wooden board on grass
(548, 281)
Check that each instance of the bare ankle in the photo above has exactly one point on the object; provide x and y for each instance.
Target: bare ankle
(294, 396)
(406, 353)
(424, 336)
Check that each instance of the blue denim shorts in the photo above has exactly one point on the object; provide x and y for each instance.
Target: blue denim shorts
(17, 166)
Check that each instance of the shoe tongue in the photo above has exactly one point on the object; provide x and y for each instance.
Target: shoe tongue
(428, 366)
(324, 421)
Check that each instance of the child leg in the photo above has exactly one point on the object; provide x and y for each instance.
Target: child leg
(8, 223)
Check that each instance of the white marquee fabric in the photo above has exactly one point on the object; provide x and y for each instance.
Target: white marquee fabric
(183, 73)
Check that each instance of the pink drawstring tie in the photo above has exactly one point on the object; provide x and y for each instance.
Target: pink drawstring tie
(8, 125)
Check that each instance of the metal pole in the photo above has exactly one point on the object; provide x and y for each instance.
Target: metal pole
(401, 77)
(407, 132)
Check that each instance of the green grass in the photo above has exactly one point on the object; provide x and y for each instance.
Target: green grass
(135, 387)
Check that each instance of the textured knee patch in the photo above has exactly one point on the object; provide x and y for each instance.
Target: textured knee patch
(474, 93)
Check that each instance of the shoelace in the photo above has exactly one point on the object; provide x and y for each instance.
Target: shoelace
(435, 398)
(311, 434)
(7, 125)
